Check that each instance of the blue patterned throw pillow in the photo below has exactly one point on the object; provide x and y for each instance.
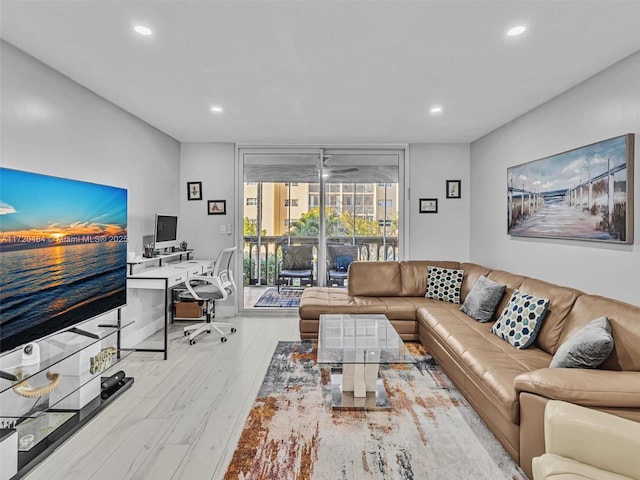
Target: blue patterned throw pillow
(521, 319)
(444, 284)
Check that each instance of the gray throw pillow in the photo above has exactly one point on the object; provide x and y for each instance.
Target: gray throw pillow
(483, 299)
(587, 348)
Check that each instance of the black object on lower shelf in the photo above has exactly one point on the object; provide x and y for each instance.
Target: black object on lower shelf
(107, 383)
(29, 459)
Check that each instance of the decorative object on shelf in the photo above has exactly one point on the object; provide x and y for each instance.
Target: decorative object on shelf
(183, 246)
(428, 205)
(217, 207)
(194, 190)
(148, 250)
(113, 380)
(581, 194)
(112, 384)
(26, 441)
(30, 354)
(102, 361)
(453, 189)
(25, 390)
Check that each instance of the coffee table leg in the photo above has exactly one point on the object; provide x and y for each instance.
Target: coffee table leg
(348, 377)
(359, 382)
(371, 376)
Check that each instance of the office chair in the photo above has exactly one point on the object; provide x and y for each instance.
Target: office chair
(206, 290)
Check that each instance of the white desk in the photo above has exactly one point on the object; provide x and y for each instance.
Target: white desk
(165, 278)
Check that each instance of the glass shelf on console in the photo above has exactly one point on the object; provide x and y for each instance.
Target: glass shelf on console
(19, 409)
(54, 350)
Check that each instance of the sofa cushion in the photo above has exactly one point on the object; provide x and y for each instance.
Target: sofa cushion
(472, 271)
(413, 274)
(374, 279)
(561, 299)
(483, 299)
(625, 328)
(587, 348)
(487, 358)
(521, 319)
(444, 284)
(512, 281)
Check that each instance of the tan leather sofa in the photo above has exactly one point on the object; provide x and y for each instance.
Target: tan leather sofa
(507, 387)
(582, 443)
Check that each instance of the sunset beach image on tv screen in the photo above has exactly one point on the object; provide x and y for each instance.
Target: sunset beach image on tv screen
(63, 248)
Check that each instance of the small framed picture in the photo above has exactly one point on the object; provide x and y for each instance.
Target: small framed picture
(217, 207)
(428, 205)
(453, 189)
(194, 190)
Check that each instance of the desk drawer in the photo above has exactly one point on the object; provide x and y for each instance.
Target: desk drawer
(194, 272)
(208, 268)
(177, 279)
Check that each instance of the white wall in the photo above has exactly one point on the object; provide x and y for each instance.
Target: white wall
(54, 126)
(444, 235)
(604, 106)
(213, 165)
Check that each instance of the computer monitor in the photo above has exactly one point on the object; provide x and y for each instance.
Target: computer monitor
(166, 232)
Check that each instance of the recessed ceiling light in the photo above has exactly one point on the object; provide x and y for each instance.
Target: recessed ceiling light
(142, 30)
(517, 30)
(216, 109)
(435, 109)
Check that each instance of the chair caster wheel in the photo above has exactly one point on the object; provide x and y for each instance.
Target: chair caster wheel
(186, 334)
(223, 339)
(208, 331)
(192, 342)
(233, 330)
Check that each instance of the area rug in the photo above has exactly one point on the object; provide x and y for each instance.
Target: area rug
(430, 432)
(288, 297)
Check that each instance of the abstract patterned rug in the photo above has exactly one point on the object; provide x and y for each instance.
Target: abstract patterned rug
(430, 432)
(288, 297)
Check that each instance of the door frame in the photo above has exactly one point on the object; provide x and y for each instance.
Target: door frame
(403, 198)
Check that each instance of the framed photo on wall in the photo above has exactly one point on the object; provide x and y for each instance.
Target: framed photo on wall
(217, 207)
(453, 189)
(428, 205)
(194, 190)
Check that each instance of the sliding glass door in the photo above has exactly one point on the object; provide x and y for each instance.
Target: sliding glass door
(308, 212)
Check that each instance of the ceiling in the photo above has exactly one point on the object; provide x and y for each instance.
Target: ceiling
(326, 72)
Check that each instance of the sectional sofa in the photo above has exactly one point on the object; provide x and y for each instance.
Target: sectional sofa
(508, 387)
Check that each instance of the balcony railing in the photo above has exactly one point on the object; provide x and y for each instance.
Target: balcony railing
(263, 255)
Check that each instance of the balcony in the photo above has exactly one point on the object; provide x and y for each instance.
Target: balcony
(262, 256)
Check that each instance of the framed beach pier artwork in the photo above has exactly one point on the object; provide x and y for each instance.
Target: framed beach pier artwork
(582, 194)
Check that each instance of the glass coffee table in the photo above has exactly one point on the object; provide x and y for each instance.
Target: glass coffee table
(355, 346)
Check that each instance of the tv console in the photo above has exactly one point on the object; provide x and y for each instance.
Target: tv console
(37, 414)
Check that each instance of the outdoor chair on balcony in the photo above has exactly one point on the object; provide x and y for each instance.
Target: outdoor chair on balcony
(297, 262)
(339, 257)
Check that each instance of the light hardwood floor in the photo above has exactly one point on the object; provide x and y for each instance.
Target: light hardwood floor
(182, 417)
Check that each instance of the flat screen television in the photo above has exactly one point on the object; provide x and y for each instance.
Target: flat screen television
(63, 254)
(166, 232)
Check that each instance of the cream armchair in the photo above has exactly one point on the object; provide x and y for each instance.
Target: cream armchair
(581, 443)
